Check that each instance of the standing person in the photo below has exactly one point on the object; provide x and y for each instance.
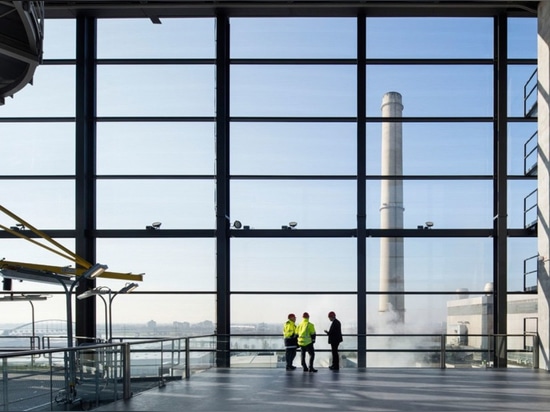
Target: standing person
(334, 338)
(291, 341)
(306, 339)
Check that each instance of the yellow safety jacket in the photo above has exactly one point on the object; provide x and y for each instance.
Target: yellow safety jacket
(289, 333)
(289, 329)
(306, 333)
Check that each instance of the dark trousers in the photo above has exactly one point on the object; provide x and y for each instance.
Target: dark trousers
(311, 352)
(290, 355)
(335, 356)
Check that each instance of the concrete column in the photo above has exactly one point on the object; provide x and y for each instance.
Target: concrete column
(544, 183)
(391, 209)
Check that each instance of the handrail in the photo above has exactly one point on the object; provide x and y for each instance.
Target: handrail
(526, 272)
(528, 200)
(529, 153)
(528, 90)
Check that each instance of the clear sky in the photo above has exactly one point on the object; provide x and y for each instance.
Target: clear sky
(257, 148)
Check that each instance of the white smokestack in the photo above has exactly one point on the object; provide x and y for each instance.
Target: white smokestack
(391, 209)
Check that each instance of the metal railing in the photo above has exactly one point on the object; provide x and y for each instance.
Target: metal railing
(530, 210)
(530, 96)
(530, 155)
(104, 372)
(530, 273)
(109, 372)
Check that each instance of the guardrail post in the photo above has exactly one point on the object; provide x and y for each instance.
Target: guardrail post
(442, 353)
(535, 351)
(5, 383)
(126, 376)
(187, 366)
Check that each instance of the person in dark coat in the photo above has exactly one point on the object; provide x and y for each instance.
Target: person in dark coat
(334, 338)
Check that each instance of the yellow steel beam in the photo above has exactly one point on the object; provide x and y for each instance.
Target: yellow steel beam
(80, 261)
(60, 250)
(67, 270)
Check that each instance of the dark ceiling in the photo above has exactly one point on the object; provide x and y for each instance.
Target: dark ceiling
(156, 9)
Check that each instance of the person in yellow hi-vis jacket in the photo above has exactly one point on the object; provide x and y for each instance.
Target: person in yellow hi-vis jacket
(306, 339)
(291, 341)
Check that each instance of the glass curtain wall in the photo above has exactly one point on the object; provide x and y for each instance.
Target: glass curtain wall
(307, 171)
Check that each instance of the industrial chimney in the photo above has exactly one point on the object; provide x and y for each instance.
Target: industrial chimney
(391, 209)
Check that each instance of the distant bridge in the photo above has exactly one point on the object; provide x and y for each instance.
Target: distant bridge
(48, 327)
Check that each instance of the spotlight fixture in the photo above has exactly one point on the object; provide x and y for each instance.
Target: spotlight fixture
(94, 271)
(154, 226)
(237, 224)
(291, 225)
(18, 227)
(429, 225)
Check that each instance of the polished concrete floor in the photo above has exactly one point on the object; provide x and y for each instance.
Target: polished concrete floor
(386, 390)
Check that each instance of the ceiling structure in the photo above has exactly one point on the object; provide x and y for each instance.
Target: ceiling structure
(157, 9)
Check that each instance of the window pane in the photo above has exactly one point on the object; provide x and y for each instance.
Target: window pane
(163, 316)
(293, 148)
(293, 90)
(416, 38)
(447, 203)
(522, 263)
(306, 264)
(140, 38)
(51, 94)
(59, 39)
(437, 264)
(430, 90)
(293, 37)
(134, 204)
(49, 315)
(20, 250)
(522, 147)
(275, 309)
(169, 264)
(155, 90)
(46, 204)
(38, 149)
(155, 148)
(522, 38)
(437, 148)
(522, 203)
(312, 204)
(518, 87)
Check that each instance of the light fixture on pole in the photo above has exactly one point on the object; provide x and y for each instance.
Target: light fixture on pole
(104, 290)
(69, 282)
(90, 273)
